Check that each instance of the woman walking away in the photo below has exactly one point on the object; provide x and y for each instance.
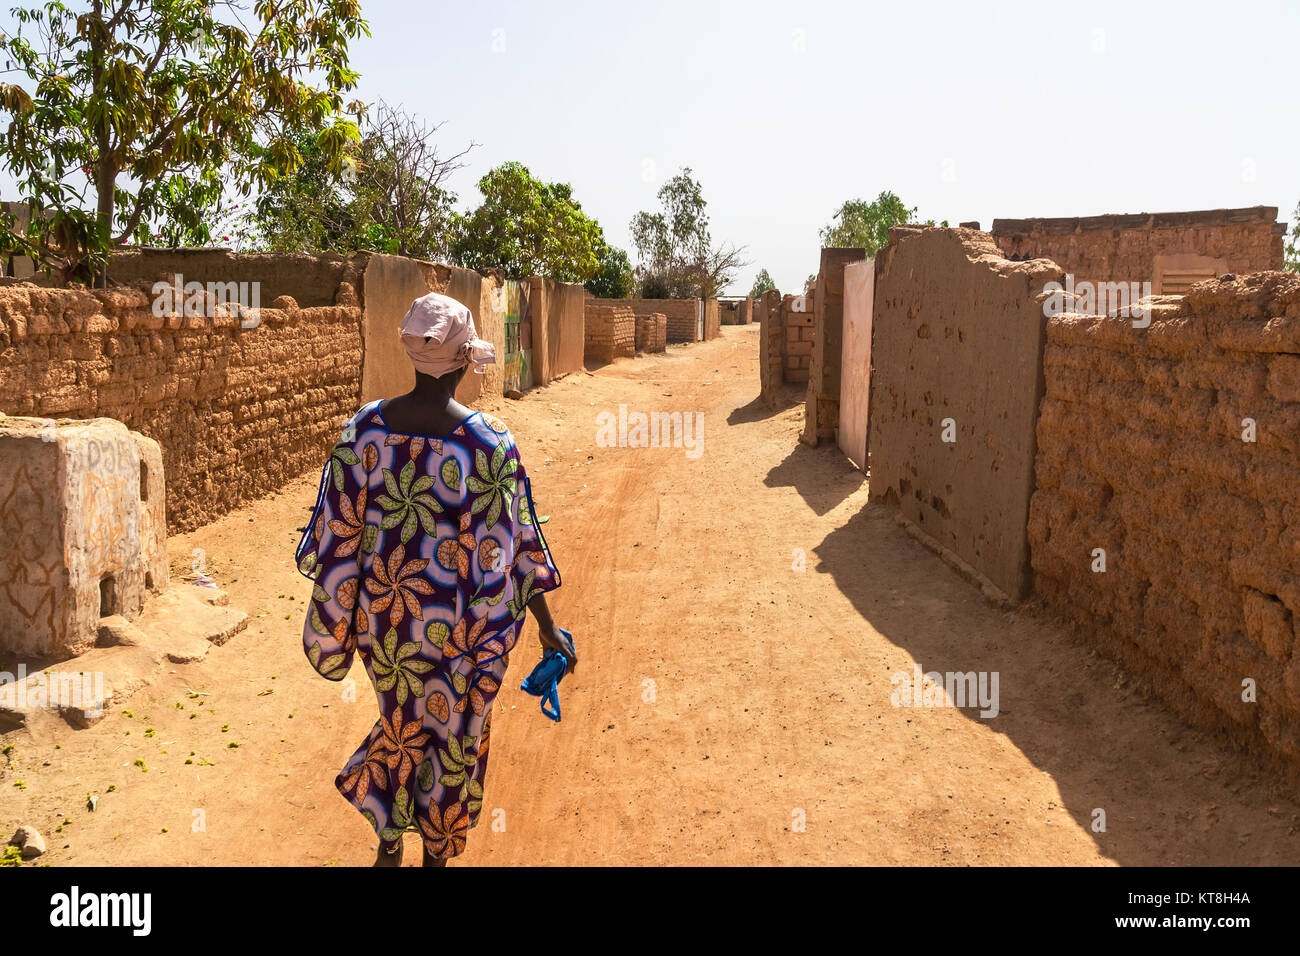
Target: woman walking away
(425, 552)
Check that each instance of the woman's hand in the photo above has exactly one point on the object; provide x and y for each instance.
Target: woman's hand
(549, 632)
(553, 639)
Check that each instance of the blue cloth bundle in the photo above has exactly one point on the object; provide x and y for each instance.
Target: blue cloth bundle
(544, 681)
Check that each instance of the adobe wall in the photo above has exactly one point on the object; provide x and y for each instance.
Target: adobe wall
(798, 319)
(558, 320)
(610, 332)
(1141, 454)
(1124, 248)
(958, 335)
(682, 314)
(237, 411)
(822, 405)
(652, 333)
(771, 345)
(389, 284)
(712, 319)
(310, 279)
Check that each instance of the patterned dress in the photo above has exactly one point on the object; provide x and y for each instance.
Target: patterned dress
(424, 552)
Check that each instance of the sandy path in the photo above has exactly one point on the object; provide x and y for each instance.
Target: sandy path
(722, 692)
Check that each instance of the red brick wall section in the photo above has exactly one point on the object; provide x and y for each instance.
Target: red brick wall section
(237, 412)
(1122, 248)
(1141, 453)
(799, 334)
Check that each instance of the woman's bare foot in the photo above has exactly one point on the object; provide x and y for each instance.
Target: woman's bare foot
(434, 860)
(389, 854)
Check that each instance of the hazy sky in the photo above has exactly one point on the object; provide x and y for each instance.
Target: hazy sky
(784, 110)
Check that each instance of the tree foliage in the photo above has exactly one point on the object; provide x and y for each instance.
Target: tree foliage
(676, 252)
(859, 224)
(527, 227)
(389, 194)
(614, 279)
(130, 112)
(762, 282)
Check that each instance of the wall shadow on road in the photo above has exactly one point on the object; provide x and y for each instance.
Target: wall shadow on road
(1171, 793)
(758, 410)
(822, 476)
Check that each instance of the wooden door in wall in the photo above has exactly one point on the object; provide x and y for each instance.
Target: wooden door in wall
(517, 365)
(855, 369)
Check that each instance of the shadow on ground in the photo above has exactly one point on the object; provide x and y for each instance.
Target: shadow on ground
(822, 476)
(1172, 793)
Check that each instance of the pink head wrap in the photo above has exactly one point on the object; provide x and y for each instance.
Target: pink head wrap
(438, 334)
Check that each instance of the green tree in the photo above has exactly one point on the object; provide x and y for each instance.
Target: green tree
(137, 107)
(762, 282)
(676, 252)
(528, 227)
(388, 196)
(1293, 247)
(859, 224)
(614, 279)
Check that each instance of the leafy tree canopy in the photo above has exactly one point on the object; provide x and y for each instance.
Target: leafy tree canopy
(527, 227)
(762, 282)
(676, 252)
(614, 279)
(136, 108)
(859, 224)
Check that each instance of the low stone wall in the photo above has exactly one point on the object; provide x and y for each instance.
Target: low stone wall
(1168, 498)
(610, 332)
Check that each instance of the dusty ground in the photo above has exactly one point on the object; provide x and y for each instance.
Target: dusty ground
(721, 691)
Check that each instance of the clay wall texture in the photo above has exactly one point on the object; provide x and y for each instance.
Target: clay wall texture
(236, 411)
(557, 310)
(771, 345)
(1141, 453)
(682, 314)
(958, 334)
(798, 321)
(822, 405)
(610, 332)
(652, 332)
(1123, 248)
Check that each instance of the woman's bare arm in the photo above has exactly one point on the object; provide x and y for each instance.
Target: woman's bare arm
(549, 633)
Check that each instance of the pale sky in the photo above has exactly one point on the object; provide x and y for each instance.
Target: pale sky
(968, 111)
(785, 110)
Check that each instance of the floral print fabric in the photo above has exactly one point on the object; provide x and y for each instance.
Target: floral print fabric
(424, 553)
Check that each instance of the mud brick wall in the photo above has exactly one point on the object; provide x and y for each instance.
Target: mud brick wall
(822, 405)
(957, 333)
(682, 314)
(712, 319)
(236, 411)
(771, 345)
(610, 332)
(1123, 248)
(1141, 453)
(310, 279)
(652, 333)
(800, 333)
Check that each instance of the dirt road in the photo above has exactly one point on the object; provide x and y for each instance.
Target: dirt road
(733, 704)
